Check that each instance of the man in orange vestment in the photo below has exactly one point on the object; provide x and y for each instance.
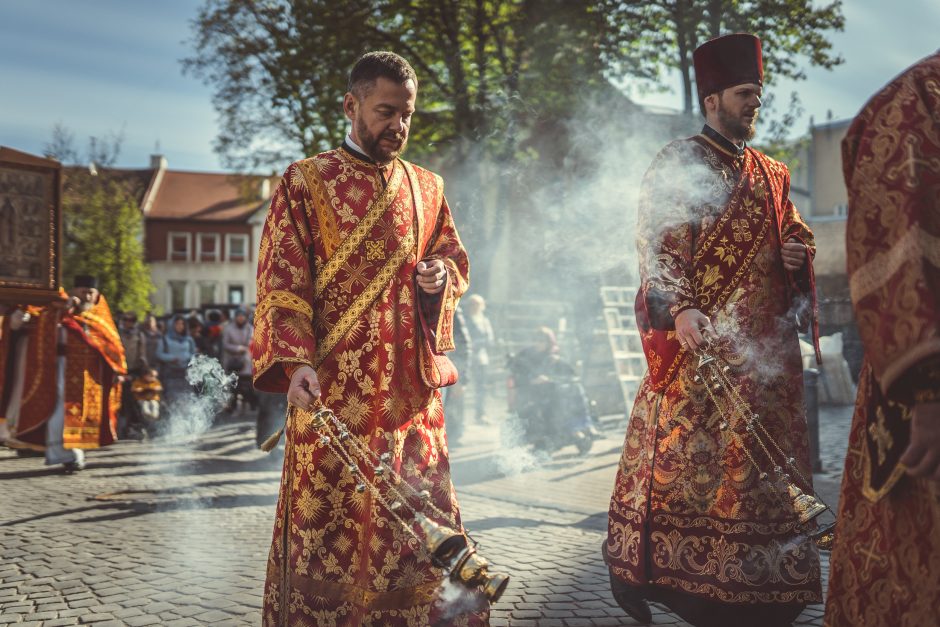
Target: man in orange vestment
(359, 273)
(725, 264)
(885, 565)
(84, 390)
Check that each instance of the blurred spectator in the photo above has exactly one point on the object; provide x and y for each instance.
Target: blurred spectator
(482, 339)
(152, 335)
(213, 331)
(135, 351)
(174, 352)
(147, 392)
(135, 344)
(455, 395)
(236, 354)
(196, 331)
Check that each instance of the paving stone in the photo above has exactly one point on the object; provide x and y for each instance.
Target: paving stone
(141, 621)
(122, 562)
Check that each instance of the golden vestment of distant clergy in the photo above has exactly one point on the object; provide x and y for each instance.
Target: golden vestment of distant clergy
(337, 291)
(94, 358)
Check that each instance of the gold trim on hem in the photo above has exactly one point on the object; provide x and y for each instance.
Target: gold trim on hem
(283, 299)
(367, 599)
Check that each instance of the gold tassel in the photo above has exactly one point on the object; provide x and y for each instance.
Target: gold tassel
(268, 445)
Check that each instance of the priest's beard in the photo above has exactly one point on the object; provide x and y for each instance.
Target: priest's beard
(370, 143)
(738, 128)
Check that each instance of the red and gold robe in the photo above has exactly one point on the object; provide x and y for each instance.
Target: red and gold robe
(689, 513)
(94, 357)
(885, 565)
(337, 291)
(38, 398)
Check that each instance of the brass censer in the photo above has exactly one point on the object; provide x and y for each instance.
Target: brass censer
(735, 411)
(451, 550)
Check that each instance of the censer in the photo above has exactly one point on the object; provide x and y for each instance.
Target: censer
(451, 550)
(715, 375)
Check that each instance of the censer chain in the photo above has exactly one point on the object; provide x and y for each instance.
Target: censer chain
(395, 477)
(350, 462)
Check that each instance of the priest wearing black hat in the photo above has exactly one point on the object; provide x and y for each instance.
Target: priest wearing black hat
(699, 519)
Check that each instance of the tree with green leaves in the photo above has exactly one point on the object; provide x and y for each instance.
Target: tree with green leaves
(496, 77)
(279, 68)
(102, 223)
(658, 35)
(500, 81)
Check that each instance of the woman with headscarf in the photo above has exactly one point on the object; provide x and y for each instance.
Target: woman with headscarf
(174, 351)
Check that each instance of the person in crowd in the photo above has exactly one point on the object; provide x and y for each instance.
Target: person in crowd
(215, 324)
(196, 330)
(153, 335)
(135, 352)
(483, 339)
(455, 396)
(174, 352)
(236, 355)
(147, 392)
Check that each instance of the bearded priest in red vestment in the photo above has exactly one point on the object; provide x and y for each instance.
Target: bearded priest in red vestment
(359, 273)
(885, 565)
(725, 264)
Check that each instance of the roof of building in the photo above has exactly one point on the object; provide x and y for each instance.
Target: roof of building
(207, 196)
(136, 181)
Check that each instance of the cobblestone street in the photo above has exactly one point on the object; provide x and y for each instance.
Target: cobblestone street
(178, 535)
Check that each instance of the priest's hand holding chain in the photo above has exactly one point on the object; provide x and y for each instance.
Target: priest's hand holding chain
(304, 388)
(694, 330)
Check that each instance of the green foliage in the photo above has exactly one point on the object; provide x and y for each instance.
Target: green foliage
(486, 69)
(102, 223)
(104, 237)
(658, 35)
(499, 81)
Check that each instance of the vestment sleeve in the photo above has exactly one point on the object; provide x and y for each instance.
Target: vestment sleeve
(891, 162)
(439, 308)
(283, 333)
(664, 242)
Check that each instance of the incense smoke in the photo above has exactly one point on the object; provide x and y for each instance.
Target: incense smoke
(192, 413)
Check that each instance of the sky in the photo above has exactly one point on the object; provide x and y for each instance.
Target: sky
(113, 66)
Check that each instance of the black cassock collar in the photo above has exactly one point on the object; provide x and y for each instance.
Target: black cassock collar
(357, 154)
(723, 142)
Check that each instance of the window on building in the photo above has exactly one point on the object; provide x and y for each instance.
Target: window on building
(236, 294)
(206, 293)
(208, 247)
(177, 295)
(179, 247)
(237, 247)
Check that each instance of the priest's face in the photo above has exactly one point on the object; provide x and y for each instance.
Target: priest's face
(381, 118)
(87, 297)
(737, 111)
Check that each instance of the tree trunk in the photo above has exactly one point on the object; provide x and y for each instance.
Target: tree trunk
(682, 22)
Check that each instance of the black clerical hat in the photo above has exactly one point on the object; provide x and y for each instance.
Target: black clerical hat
(86, 280)
(727, 61)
